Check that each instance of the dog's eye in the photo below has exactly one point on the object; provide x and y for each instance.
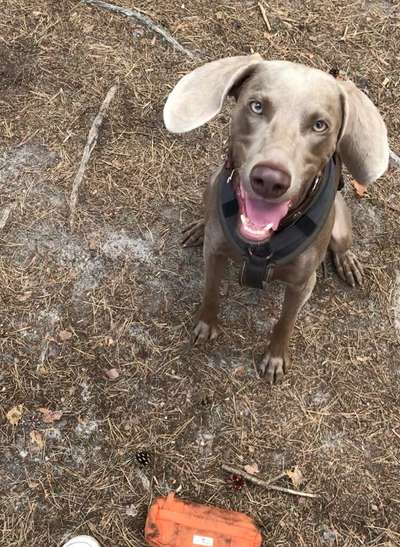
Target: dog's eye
(320, 126)
(256, 107)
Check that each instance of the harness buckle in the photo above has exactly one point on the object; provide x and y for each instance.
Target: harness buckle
(252, 253)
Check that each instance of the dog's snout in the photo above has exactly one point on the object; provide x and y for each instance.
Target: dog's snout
(268, 181)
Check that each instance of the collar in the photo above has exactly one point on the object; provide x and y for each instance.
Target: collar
(296, 233)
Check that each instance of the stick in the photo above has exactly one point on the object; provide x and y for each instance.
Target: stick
(394, 160)
(266, 484)
(4, 214)
(145, 21)
(264, 16)
(90, 144)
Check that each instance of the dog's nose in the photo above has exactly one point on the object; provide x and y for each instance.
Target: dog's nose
(269, 182)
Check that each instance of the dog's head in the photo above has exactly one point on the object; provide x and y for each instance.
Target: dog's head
(288, 121)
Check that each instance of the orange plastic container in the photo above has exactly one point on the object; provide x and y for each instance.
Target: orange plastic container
(177, 523)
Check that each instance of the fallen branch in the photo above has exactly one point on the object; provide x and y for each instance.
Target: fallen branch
(266, 484)
(145, 21)
(90, 144)
(394, 160)
(264, 16)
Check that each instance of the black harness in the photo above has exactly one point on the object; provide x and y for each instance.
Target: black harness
(295, 234)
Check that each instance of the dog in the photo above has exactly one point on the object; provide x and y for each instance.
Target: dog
(288, 122)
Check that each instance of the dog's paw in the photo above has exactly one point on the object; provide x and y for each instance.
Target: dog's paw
(273, 367)
(349, 268)
(204, 331)
(193, 234)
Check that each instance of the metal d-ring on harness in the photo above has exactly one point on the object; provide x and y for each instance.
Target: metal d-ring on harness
(293, 237)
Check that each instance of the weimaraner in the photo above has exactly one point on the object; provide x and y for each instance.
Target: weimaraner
(288, 121)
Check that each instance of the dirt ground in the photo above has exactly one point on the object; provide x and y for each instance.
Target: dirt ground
(95, 324)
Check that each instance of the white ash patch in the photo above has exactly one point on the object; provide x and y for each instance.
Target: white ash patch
(333, 442)
(320, 398)
(69, 253)
(120, 245)
(264, 326)
(140, 334)
(367, 219)
(85, 393)
(53, 434)
(86, 428)
(205, 440)
(329, 536)
(82, 456)
(27, 156)
(91, 274)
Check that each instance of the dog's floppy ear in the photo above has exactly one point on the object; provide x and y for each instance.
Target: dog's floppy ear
(363, 143)
(199, 95)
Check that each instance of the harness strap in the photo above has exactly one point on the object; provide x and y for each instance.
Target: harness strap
(289, 241)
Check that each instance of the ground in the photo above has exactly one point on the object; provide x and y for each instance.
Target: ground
(95, 322)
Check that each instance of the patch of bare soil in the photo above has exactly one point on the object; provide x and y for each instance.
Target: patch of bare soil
(95, 324)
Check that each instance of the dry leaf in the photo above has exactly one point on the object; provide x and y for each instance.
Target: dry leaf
(65, 335)
(37, 438)
(359, 189)
(112, 373)
(50, 416)
(14, 414)
(296, 476)
(252, 469)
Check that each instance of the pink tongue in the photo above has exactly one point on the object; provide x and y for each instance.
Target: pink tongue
(262, 213)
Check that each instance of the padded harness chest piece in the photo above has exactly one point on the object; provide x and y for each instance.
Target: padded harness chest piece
(289, 241)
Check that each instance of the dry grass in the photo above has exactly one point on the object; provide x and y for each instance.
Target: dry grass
(126, 292)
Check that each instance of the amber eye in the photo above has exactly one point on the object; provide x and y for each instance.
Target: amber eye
(320, 126)
(256, 107)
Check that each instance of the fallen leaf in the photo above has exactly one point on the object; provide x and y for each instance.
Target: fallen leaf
(50, 416)
(296, 476)
(359, 189)
(37, 438)
(252, 469)
(112, 373)
(14, 414)
(65, 335)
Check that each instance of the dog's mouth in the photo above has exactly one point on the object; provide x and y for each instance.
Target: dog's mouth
(258, 218)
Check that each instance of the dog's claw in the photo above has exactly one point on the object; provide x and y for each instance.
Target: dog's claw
(193, 234)
(204, 331)
(273, 368)
(349, 268)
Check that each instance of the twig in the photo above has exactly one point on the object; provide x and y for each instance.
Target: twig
(4, 215)
(394, 160)
(145, 21)
(90, 144)
(266, 484)
(264, 16)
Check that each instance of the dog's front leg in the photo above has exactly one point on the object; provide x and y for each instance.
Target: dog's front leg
(276, 360)
(206, 328)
